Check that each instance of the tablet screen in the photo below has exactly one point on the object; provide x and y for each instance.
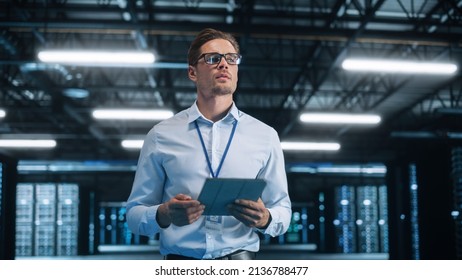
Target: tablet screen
(217, 193)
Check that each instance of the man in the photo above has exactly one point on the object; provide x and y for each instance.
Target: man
(212, 138)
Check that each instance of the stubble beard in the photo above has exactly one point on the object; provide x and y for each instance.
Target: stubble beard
(222, 90)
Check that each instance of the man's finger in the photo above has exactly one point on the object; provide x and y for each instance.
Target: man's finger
(185, 204)
(183, 197)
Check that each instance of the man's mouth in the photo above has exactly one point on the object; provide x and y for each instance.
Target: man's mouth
(222, 76)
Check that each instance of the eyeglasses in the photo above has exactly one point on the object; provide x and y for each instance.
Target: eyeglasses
(215, 58)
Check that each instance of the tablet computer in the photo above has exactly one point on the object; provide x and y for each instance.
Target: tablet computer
(217, 193)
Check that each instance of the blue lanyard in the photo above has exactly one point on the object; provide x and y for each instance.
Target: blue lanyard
(215, 175)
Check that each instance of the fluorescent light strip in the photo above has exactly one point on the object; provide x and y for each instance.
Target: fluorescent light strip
(2, 113)
(326, 118)
(30, 166)
(94, 57)
(310, 146)
(132, 144)
(397, 66)
(353, 169)
(290, 146)
(127, 114)
(27, 143)
(347, 169)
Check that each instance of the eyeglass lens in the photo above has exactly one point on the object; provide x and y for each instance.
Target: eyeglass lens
(215, 58)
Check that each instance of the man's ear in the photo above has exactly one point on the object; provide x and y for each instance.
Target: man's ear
(192, 73)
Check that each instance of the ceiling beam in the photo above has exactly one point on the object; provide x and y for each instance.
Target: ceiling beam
(315, 87)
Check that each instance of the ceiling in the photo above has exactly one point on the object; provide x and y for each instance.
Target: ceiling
(292, 51)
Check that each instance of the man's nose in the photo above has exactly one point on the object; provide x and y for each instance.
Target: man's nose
(223, 64)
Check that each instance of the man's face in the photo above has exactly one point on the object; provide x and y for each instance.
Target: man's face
(218, 79)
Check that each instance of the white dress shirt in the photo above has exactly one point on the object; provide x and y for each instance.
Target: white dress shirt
(172, 161)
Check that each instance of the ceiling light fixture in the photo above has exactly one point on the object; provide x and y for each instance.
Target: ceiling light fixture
(131, 114)
(353, 169)
(399, 66)
(132, 144)
(327, 118)
(2, 113)
(39, 166)
(76, 93)
(27, 143)
(313, 168)
(97, 58)
(290, 146)
(310, 146)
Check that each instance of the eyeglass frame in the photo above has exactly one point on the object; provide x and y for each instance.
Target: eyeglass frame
(239, 57)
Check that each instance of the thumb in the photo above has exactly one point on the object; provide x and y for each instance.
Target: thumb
(182, 197)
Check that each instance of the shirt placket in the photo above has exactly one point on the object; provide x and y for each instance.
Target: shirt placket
(215, 156)
(209, 221)
(212, 227)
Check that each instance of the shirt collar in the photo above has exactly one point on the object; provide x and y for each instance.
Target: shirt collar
(194, 113)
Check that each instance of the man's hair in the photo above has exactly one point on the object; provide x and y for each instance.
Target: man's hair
(203, 37)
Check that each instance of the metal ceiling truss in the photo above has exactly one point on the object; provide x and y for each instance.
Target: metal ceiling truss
(446, 99)
(302, 78)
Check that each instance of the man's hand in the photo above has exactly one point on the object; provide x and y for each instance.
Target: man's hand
(251, 213)
(181, 210)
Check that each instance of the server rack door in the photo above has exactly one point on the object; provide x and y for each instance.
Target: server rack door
(8, 180)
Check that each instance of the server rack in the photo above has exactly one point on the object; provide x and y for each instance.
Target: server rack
(303, 229)
(113, 233)
(24, 219)
(67, 220)
(1, 204)
(345, 229)
(383, 219)
(50, 214)
(414, 212)
(8, 177)
(44, 219)
(457, 212)
(361, 219)
(368, 227)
